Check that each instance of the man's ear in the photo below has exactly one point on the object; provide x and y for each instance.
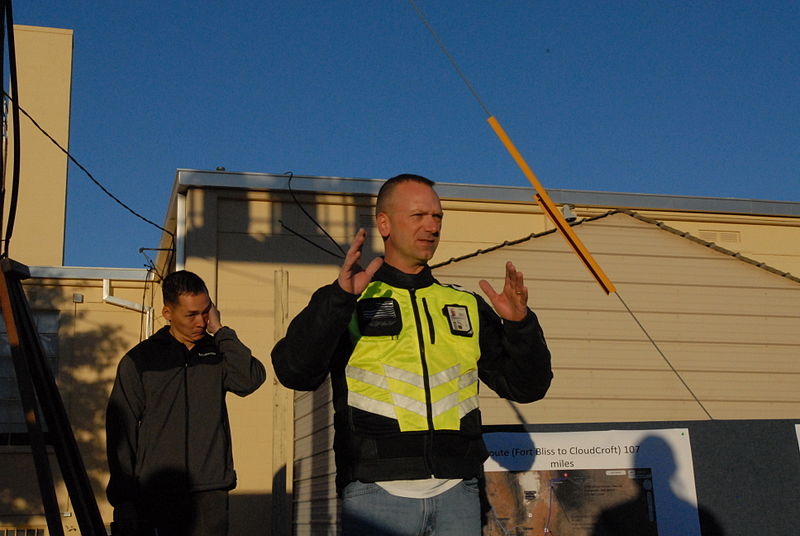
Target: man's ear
(166, 312)
(383, 224)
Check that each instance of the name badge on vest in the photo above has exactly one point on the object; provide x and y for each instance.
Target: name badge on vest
(458, 316)
(379, 316)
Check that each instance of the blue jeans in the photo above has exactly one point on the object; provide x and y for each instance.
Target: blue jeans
(368, 509)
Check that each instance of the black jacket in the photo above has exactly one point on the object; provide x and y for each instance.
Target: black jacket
(167, 425)
(514, 362)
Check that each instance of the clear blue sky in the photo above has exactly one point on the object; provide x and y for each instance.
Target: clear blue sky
(665, 97)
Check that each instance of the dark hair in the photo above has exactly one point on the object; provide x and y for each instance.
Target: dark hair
(388, 187)
(181, 282)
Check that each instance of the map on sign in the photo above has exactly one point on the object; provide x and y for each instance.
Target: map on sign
(591, 483)
(584, 502)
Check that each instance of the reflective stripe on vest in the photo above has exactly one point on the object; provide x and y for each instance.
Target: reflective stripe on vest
(465, 399)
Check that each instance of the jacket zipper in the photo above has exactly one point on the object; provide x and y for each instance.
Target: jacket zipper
(186, 416)
(430, 321)
(426, 381)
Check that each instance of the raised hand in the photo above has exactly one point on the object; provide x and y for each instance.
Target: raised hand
(214, 319)
(512, 302)
(353, 278)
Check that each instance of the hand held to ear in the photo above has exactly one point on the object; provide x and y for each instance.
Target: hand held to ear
(214, 320)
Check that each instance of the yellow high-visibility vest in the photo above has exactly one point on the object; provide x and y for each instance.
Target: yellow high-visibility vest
(415, 356)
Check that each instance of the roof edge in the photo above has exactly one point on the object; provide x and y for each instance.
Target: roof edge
(645, 219)
(80, 272)
(711, 245)
(188, 178)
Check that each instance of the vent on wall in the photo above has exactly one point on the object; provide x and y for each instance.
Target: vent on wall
(721, 237)
(21, 532)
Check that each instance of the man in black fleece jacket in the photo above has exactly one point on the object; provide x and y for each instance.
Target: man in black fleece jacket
(167, 431)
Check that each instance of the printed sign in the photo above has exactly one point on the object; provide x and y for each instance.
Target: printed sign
(591, 483)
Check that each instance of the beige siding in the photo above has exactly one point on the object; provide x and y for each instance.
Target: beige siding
(725, 325)
(774, 241)
(731, 330)
(552, 410)
(716, 318)
(689, 356)
(315, 469)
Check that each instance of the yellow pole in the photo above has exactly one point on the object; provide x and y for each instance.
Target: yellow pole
(555, 215)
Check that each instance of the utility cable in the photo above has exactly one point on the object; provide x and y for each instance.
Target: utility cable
(12, 66)
(547, 206)
(151, 263)
(666, 360)
(86, 171)
(449, 57)
(298, 235)
(4, 148)
(542, 197)
(310, 217)
(3, 157)
(321, 228)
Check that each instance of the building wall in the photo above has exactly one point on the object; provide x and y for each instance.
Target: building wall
(726, 326)
(773, 240)
(729, 329)
(44, 68)
(92, 337)
(701, 306)
(260, 275)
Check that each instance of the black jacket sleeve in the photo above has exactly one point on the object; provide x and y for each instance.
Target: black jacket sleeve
(515, 361)
(243, 372)
(125, 408)
(302, 359)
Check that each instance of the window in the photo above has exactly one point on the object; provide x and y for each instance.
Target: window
(12, 423)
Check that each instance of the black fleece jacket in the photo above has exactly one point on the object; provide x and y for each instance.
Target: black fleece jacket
(167, 427)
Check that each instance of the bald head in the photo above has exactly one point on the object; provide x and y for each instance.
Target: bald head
(409, 219)
(388, 188)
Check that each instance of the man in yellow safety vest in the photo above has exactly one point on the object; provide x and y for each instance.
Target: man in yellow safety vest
(405, 354)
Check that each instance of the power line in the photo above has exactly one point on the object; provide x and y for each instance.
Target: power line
(12, 68)
(289, 184)
(449, 57)
(486, 110)
(298, 235)
(87, 172)
(314, 220)
(666, 360)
